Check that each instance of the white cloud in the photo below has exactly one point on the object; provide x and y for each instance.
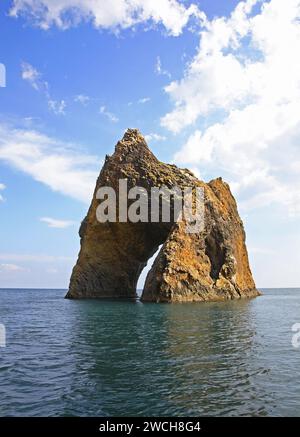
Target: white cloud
(34, 78)
(246, 78)
(57, 107)
(60, 166)
(29, 121)
(159, 69)
(55, 223)
(218, 76)
(112, 117)
(196, 172)
(155, 137)
(144, 100)
(193, 150)
(114, 14)
(82, 98)
(2, 187)
(40, 258)
(140, 101)
(11, 268)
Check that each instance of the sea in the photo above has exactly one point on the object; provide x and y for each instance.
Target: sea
(125, 358)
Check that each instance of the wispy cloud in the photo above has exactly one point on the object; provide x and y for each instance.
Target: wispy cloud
(63, 167)
(141, 101)
(57, 107)
(144, 100)
(40, 258)
(112, 117)
(82, 99)
(55, 223)
(155, 137)
(31, 75)
(159, 69)
(11, 268)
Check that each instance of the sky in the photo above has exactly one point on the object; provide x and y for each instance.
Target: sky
(214, 86)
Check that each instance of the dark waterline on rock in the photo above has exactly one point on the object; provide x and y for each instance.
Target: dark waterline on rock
(87, 358)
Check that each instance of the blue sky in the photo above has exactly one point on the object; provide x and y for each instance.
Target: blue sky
(211, 84)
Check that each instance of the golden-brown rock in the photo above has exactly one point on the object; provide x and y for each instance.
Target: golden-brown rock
(210, 265)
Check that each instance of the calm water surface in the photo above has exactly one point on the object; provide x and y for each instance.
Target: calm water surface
(89, 358)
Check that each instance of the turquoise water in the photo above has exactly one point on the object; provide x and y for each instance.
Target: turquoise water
(101, 358)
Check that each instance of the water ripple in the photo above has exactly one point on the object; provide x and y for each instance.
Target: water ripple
(68, 358)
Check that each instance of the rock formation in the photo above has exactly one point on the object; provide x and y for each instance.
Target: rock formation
(210, 265)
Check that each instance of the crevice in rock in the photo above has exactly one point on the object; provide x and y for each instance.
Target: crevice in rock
(216, 255)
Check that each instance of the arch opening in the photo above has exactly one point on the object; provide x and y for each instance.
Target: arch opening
(145, 271)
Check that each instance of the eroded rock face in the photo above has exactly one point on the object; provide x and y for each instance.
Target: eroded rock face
(210, 265)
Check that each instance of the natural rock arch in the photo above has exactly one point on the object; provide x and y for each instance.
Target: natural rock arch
(210, 265)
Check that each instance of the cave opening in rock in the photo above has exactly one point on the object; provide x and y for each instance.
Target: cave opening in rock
(216, 255)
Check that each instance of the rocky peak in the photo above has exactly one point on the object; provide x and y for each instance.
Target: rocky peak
(132, 142)
(133, 136)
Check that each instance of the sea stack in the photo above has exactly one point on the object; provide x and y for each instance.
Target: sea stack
(211, 265)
